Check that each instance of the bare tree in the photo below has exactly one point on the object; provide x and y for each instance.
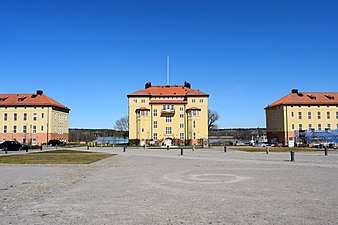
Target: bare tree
(212, 118)
(122, 124)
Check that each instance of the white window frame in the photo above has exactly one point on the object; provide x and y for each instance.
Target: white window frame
(168, 130)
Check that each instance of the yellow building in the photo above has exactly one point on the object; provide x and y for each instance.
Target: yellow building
(32, 118)
(299, 111)
(168, 115)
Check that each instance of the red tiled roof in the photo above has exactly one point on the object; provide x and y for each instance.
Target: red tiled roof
(307, 98)
(168, 91)
(143, 109)
(169, 101)
(193, 108)
(29, 100)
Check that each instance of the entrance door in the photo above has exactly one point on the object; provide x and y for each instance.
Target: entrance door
(168, 142)
(142, 142)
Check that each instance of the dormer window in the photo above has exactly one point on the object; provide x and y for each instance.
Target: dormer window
(3, 99)
(312, 97)
(329, 97)
(21, 99)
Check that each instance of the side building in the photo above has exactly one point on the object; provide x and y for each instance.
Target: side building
(32, 118)
(168, 115)
(300, 112)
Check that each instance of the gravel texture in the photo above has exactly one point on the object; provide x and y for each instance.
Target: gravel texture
(205, 186)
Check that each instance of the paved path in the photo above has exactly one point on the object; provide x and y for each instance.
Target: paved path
(162, 187)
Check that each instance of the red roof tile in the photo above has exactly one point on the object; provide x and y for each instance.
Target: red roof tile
(29, 100)
(142, 109)
(193, 108)
(307, 98)
(169, 101)
(168, 91)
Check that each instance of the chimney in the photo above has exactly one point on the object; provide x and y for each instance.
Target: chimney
(294, 91)
(39, 92)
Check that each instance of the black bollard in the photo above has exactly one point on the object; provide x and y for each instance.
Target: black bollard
(325, 150)
(167, 147)
(267, 149)
(144, 147)
(41, 148)
(87, 147)
(292, 156)
(5, 150)
(26, 149)
(56, 146)
(225, 148)
(193, 148)
(124, 148)
(181, 151)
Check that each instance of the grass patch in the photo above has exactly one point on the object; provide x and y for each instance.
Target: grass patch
(252, 149)
(55, 157)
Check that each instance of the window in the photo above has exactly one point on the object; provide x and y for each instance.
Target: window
(181, 115)
(337, 126)
(34, 117)
(5, 129)
(328, 115)
(328, 126)
(319, 127)
(336, 115)
(143, 101)
(193, 100)
(155, 112)
(318, 115)
(15, 116)
(201, 100)
(309, 115)
(194, 124)
(300, 126)
(310, 126)
(135, 100)
(194, 136)
(182, 136)
(14, 129)
(181, 125)
(300, 115)
(25, 116)
(181, 109)
(24, 129)
(292, 126)
(142, 130)
(42, 115)
(168, 130)
(155, 124)
(168, 119)
(292, 114)
(155, 136)
(34, 129)
(41, 128)
(144, 113)
(5, 117)
(55, 116)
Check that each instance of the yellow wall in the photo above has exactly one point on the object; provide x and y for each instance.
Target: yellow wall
(147, 121)
(48, 121)
(286, 119)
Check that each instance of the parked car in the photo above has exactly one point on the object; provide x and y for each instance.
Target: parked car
(12, 146)
(55, 142)
(265, 144)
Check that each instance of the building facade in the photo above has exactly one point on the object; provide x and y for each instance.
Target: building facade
(32, 118)
(168, 115)
(299, 111)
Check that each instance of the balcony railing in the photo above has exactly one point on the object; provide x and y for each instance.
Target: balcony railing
(168, 111)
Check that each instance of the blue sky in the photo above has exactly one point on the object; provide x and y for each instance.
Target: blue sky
(89, 55)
